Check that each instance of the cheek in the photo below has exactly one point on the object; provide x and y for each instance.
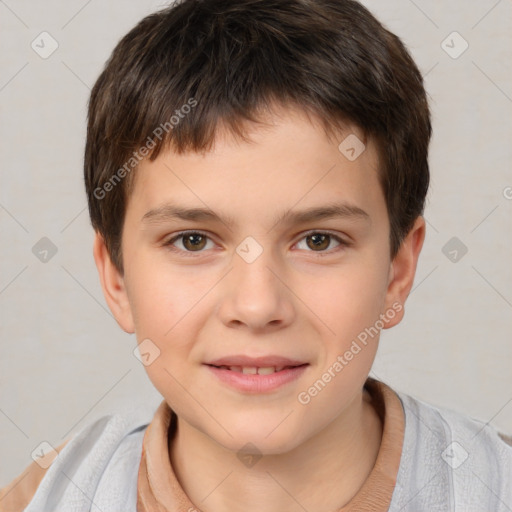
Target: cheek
(349, 307)
(160, 297)
(350, 300)
(169, 306)
(163, 311)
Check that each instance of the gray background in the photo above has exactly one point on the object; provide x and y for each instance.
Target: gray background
(64, 361)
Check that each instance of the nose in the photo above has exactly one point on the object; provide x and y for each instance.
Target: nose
(256, 295)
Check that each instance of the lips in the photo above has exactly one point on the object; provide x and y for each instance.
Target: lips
(264, 365)
(257, 379)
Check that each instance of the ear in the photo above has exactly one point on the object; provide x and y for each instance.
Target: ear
(112, 283)
(402, 271)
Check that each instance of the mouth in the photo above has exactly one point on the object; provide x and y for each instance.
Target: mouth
(257, 379)
(257, 370)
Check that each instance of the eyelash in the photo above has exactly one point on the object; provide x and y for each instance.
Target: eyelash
(169, 243)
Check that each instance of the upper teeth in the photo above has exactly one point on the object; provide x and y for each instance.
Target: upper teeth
(253, 370)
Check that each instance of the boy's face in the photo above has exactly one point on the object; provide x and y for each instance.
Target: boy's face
(305, 298)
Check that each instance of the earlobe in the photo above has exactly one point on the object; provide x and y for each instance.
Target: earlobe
(113, 285)
(403, 270)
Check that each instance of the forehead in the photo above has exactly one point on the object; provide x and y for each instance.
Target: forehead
(290, 159)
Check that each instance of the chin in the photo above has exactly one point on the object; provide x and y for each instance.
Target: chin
(262, 438)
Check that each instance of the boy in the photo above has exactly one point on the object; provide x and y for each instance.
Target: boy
(256, 174)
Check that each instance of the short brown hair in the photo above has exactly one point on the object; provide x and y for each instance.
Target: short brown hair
(226, 60)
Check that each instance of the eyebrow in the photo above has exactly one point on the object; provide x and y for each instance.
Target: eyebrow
(169, 211)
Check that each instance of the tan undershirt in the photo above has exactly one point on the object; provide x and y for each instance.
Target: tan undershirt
(158, 489)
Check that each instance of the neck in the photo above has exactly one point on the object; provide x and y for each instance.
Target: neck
(322, 474)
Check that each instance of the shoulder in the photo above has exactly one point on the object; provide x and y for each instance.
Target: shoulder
(451, 461)
(97, 465)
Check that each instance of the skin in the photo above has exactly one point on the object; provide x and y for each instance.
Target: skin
(290, 301)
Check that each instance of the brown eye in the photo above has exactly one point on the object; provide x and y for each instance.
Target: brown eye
(194, 242)
(191, 241)
(318, 241)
